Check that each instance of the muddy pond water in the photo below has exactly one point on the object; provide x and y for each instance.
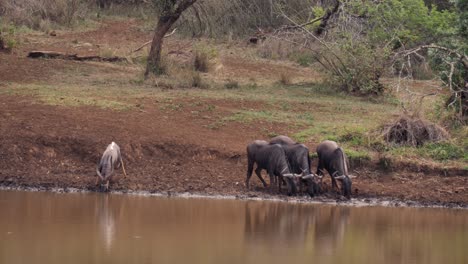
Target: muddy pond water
(40, 227)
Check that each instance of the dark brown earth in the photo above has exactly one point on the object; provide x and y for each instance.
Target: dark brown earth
(57, 146)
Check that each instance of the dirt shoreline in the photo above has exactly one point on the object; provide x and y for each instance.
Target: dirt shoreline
(304, 199)
(52, 146)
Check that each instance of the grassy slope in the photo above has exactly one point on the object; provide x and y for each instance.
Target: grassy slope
(306, 109)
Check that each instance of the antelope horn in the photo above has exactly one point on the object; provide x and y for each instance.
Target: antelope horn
(308, 176)
(99, 174)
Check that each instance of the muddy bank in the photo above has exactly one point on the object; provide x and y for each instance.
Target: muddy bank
(326, 199)
(50, 147)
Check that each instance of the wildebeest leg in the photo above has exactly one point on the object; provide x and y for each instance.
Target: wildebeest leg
(280, 181)
(272, 180)
(334, 185)
(259, 175)
(97, 182)
(249, 173)
(107, 185)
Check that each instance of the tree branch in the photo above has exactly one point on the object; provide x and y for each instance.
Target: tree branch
(149, 42)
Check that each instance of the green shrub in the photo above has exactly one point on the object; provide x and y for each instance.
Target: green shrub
(302, 58)
(443, 151)
(355, 138)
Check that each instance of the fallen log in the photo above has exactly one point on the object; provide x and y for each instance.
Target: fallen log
(64, 56)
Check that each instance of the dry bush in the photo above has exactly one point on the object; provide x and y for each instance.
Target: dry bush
(273, 48)
(37, 13)
(413, 131)
(201, 62)
(197, 82)
(215, 18)
(285, 79)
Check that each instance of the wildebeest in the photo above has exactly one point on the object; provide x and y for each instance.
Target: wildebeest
(111, 159)
(299, 161)
(272, 158)
(333, 159)
(282, 140)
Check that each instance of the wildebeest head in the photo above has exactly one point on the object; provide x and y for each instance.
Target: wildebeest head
(311, 181)
(345, 185)
(341, 172)
(110, 158)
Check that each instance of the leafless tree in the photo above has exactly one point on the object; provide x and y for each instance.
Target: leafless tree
(453, 59)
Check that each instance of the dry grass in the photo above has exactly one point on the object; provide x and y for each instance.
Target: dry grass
(412, 131)
(285, 79)
(40, 14)
(201, 62)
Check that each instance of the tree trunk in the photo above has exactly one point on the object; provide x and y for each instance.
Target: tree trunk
(171, 11)
(154, 58)
(321, 28)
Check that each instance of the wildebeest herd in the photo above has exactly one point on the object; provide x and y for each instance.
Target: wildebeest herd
(286, 162)
(289, 162)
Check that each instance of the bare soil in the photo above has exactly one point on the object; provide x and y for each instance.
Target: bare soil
(58, 146)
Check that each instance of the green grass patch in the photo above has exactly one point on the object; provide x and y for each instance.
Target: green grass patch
(245, 116)
(68, 96)
(437, 151)
(443, 151)
(357, 155)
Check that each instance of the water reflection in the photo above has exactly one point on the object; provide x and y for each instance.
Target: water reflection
(278, 223)
(97, 228)
(330, 227)
(299, 226)
(106, 220)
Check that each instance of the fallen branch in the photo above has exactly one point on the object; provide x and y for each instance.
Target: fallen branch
(64, 56)
(146, 43)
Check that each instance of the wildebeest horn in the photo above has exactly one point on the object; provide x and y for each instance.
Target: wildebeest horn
(99, 174)
(312, 176)
(288, 175)
(340, 177)
(352, 176)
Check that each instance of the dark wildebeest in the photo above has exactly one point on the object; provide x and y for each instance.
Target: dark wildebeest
(111, 158)
(299, 161)
(333, 159)
(272, 158)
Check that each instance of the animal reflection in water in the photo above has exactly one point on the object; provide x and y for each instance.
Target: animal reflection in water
(293, 225)
(106, 221)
